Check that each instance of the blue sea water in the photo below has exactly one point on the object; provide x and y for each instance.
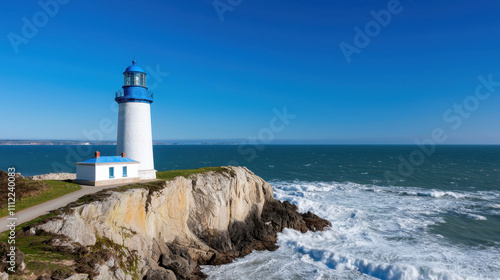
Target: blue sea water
(396, 211)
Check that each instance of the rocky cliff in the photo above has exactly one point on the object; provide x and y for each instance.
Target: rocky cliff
(166, 230)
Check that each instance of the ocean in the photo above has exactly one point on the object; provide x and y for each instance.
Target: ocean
(397, 212)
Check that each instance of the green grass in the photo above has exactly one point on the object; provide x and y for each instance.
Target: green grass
(171, 174)
(57, 189)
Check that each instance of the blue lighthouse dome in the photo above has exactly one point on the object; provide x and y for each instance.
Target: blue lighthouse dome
(134, 86)
(134, 67)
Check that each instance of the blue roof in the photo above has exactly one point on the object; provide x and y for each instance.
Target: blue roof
(134, 68)
(108, 160)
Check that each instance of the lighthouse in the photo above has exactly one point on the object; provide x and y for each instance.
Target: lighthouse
(135, 138)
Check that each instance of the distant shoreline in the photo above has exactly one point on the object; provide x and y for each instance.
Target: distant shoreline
(110, 143)
(229, 142)
(52, 142)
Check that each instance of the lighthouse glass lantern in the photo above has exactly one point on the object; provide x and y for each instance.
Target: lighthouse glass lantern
(135, 79)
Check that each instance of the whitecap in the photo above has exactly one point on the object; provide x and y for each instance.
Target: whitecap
(377, 232)
(476, 217)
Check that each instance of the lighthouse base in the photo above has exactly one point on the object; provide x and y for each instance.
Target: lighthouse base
(147, 174)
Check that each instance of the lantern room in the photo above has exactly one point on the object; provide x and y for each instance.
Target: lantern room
(134, 86)
(134, 76)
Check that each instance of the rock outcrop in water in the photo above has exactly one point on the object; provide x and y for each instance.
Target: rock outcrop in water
(167, 231)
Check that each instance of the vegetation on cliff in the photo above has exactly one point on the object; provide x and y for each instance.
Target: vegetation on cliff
(171, 174)
(30, 193)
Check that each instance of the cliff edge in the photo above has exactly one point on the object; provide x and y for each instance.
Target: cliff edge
(167, 229)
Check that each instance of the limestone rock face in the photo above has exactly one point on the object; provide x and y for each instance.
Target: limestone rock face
(54, 176)
(208, 218)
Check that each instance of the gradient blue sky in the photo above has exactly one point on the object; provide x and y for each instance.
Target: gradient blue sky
(226, 77)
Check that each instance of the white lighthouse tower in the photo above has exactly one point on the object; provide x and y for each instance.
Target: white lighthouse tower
(134, 121)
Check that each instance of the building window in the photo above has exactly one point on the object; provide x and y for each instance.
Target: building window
(111, 172)
(124, 171)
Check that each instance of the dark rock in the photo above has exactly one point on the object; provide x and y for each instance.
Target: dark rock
(60, 275)
(178, 260)
(85, 261)
(4, 250)
(160, 274)
(283, 215)
(315, 223)
(259, 232)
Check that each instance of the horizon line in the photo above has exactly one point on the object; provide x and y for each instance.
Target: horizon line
(227, 142)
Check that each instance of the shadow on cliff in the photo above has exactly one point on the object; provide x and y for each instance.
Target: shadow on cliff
(258, 232)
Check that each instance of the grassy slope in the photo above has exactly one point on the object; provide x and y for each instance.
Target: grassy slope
(57, 189)
(171, 174)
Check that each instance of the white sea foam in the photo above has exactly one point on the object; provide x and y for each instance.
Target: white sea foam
(476, 217)
(377, 233)
(439, 194)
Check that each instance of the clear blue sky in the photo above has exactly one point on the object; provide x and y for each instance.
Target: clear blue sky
(226, 76)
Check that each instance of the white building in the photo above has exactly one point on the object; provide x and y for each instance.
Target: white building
(101, 171)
